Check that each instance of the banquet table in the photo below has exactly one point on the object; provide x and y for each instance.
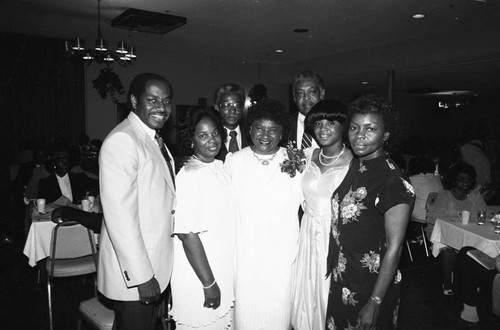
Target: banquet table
(37, 246)
(452, 233)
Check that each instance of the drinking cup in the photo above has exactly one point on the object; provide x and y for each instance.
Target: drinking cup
(40, 205)
(496, 223)
(85, 205)
(481, 217)
(464, 216)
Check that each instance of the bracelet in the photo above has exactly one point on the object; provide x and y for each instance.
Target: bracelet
(209, 286)
(376, 299)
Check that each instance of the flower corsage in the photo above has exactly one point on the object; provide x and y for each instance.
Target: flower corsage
(296, 160)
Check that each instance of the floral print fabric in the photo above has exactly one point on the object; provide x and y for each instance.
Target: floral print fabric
(358, 241)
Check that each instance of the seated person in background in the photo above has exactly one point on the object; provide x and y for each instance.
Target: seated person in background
(74, 186)
(476, 284)
(458, 196)
(90, 220)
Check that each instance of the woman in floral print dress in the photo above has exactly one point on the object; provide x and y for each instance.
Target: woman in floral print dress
(371, 211)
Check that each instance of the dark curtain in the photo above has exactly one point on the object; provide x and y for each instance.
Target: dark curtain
(42, 94)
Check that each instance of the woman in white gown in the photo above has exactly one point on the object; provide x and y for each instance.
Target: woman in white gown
(205, 222)
(267, 232)
(326, 168)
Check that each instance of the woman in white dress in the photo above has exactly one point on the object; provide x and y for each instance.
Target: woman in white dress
(326, 168)
(205, 223)
(268, 228)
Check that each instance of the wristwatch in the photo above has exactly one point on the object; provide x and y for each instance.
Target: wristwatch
(376, 299)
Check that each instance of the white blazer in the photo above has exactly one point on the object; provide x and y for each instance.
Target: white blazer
(138, 200)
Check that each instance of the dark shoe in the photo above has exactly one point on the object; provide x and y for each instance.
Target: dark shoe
(466, 325)
(447, 292)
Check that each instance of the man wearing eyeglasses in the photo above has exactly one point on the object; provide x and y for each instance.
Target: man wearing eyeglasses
(229, 100)
(308, 89)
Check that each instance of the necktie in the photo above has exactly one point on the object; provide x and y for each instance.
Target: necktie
(306, 141)
(233, 143)
(164, 152)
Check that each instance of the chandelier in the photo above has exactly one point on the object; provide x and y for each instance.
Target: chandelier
(123, 55)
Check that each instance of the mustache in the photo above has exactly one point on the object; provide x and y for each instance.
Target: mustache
(166, 113)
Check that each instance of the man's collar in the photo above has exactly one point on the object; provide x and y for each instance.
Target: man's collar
(62, 177)
(149, 131)
(237, 129)
(301, 118)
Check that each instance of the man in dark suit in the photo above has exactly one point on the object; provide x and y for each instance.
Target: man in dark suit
(308, 89)
(229, 100)
(74, 186)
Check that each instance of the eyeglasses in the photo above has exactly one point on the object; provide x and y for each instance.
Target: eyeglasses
(227, 105)
(312, 93)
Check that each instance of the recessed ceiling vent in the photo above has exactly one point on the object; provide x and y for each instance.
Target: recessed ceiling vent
(147, 21)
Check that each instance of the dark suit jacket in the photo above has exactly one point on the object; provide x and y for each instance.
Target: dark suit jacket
(244, 143)
(80, 184)
(292, 135)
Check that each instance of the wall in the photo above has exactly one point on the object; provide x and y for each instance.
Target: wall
(196, 76)
(191, 76)
(422, 116)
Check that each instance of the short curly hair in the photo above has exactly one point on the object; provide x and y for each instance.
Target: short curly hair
(330, 109)
(139, 84)
(193, 117)
(308, 75)
(374, 104)
(455, 170)
(273, 110)
(377, 105)
(228, 89)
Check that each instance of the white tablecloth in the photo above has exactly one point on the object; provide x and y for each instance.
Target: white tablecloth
(37, 246)
(454, 234)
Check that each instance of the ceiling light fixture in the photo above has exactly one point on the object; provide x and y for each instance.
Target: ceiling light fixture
(279, 51)
(418, 16)
(123, 55)
(365, 83)
(301, 30)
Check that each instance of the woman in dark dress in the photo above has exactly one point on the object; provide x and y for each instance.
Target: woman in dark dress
(371, 209)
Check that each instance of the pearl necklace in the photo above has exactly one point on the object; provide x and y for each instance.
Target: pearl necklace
(264, 162)
(335, 158)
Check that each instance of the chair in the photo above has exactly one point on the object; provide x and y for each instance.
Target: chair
(73, 253)
(422, 223)
(95, 314)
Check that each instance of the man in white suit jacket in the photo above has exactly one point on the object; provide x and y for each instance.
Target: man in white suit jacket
(138, 198)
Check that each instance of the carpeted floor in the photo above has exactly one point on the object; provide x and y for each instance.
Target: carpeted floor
(24, 302)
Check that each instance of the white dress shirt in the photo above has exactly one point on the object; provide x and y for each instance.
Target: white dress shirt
(65, 186)
(238, 137)
(300, 132)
